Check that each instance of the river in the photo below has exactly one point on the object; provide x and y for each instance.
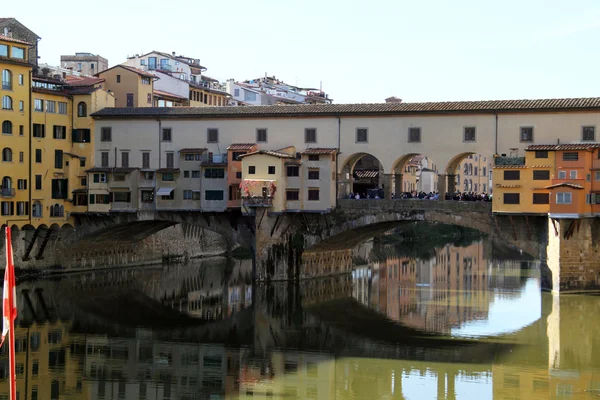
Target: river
(419, 317)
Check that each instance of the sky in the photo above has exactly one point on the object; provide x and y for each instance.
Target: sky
(361, 51)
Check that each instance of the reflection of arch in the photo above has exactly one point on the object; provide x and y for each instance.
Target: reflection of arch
(82, 109)
(54, 227)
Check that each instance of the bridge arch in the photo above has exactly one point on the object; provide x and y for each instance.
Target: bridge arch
(469, 172)
(359, 173)
(414, 172)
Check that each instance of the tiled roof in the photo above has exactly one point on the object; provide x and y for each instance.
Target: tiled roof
(366, 173)
(13, 40)
(267, 152)
(499, 185)
(567, 184)
(160, 93)
(293, 162)
(167, 170)
(540, 166)
(81, 90)
(193, 150)
(82, 80)
(241, 146)
(510, 166)
(132, 69)
(320, 150)
(592, 103)
(568, 146)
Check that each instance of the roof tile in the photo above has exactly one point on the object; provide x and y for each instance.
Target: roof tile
(558, 147)
(241, 146)
(320, 150)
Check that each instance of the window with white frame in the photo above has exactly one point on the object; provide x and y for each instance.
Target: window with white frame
(563, 198)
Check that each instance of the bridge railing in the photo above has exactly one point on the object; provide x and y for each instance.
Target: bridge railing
(415, 204)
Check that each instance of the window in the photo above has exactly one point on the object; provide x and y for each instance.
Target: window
(39, 130)
(59, 188)
(313, 157)
(261, 135)
(511, 198)
(293, 170)
(168, 177)
(22, 184)
(82, 109)
(125, 159)
(188, 157)
(526, 134)
(541, 175)
(573, 174)
(106, 134)
(313, 174)
(145, 159)
(3, 50)
(251, 170)
(414, 135)
(597, 175)
(59, 132)
(21, 105)
(104, 159)
(238, 175)
(7, 128)
(541, 198)
(83, 182)
(50, 107)
(38, 105)
(213, 195)
(195, 174)
(118, 78)
(6, 154)
(21, 156)
(167, 135)
(562, 174)
(310, 135)
(187, 194)
(122, 197)
(563, 198)
(570, 156)
(235, 156)
(18, 52)
(118, 177)
(292, 195)
(58, 159)
(483, 171)
(82, 162)
(7, 103)
(362, 135)
(81, 135)
(212, 135)
(186, 174)
(7, 79)
(271, 170)
(36, 210)
(170, 160)
(38, 182)
(147, 196)
(512, 175)
(38, 155)
(469, 134)
(22, 208)
(313, 194)
(145, 80)
(62, 107)
(588, 133)
(214, 173)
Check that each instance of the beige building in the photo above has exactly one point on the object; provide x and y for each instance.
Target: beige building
(131, 87)
(474, 174)
(86, 64)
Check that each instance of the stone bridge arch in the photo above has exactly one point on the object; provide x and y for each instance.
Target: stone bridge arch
(346, 178)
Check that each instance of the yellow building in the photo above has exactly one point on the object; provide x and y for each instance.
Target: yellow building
(14, 117)
(472, 174)
(520, 182)
(208, 92)
(131, 87)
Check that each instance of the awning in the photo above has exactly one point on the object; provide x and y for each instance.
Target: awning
(164, 191)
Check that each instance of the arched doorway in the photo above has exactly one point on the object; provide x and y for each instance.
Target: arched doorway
(364, 174)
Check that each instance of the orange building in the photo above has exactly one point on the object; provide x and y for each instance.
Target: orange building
(576, 183)
(234, 171)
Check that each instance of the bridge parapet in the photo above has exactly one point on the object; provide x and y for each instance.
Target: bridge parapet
(415, 204)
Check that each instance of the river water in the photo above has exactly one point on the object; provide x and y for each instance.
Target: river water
(439, 318)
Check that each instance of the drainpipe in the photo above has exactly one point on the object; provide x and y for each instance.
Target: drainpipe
(30, 139)
(337, 156)
(159, 159)
(496, 133)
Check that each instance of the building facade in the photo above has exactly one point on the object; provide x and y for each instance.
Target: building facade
(130, 86)
(12, 28)
(86, 64)
(270, 90)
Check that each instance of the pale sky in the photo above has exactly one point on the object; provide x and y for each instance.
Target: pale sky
(362, 51)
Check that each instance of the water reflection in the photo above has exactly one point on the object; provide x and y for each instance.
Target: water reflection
(458, 322)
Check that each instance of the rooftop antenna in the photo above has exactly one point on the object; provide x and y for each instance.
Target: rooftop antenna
(321, 86)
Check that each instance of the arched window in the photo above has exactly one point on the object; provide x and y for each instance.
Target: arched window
(6, 183)
(7, 79)
(6, 154)
(475, 187)
(466, 168)
(7, 103)
(466, 185)
(470, 184)
(56, 211)
(82, 109)
(470, 169)
(36, 210)
(7, 128)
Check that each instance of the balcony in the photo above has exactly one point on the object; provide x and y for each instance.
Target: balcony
(257, 201)
(213, 159)
(503, 160)
(7, 192)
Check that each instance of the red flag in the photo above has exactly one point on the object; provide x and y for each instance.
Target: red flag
(9, 311)
(9, 303)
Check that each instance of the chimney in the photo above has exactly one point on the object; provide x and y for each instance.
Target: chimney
(173, 53)
(7, 32)
(393, 99)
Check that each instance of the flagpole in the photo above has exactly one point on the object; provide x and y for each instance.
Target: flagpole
(8, 303)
